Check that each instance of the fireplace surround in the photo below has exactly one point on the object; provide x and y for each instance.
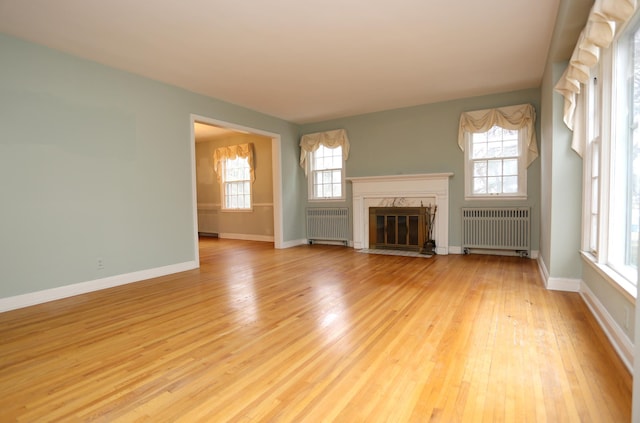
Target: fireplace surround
(415, 190)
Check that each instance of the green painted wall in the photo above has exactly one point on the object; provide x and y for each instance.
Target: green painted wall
(96, 163)
(546, 161)
(424, 139)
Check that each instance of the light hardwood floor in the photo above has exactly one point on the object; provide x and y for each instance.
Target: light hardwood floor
(315, 333)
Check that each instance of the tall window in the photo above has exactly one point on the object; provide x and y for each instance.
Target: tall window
(234, 166)
(498, 146)
(236, 185)
(327, 173)
(495, 162)
(611, 177)
(592, 166)
(625, 157)
(323, 156)
(601, 90)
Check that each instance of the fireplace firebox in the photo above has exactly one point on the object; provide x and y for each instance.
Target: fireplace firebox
(401, 228)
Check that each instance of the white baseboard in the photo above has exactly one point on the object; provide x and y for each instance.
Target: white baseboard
(294, 243)
(618, 339)
(543, 270)
(39, 297)
(557, 284)
(455, 250)
(563, 284)
(247, 237)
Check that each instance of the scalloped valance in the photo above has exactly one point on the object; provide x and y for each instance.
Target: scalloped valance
(232, 152)
(604, 18)
(522, 116)
(330, 139)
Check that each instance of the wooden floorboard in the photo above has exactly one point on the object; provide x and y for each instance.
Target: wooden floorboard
(315, 333)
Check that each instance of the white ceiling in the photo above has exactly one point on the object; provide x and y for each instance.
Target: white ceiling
(304, 61)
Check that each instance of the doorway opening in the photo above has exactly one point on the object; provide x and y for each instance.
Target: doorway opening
(267, 207)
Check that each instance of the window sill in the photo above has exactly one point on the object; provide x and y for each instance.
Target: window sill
(327, 200)
(236, 210)
(495, 197)
(614, 278)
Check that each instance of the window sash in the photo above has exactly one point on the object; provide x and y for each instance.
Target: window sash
(236, 184)
(495, 164)
(624, 183)
(327, 173)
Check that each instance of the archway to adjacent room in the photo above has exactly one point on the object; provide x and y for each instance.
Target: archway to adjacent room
(232, 128)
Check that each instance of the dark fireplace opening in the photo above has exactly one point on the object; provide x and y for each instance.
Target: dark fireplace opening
(400, 228)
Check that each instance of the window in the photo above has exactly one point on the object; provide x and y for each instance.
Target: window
(323, 156)
(236, 185)
(498, 146)
(591, 164)
(327, 177)
(494, 162)
(625, 158)
(234, 166)
(611, 154)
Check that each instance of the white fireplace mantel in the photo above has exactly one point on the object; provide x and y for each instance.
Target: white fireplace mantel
(401, 191)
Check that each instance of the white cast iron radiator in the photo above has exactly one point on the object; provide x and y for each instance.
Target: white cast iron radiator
(328, 224)
(497, 228)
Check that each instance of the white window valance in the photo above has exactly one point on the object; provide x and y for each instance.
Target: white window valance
(605, 16)
(330, 139)
(232, 152)
(520, 117)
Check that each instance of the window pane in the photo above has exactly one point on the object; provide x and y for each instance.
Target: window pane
(480, 168)
(479, 150)
(480, 137)
(510, 134)
(510, 148)
(494, 149)
(510, 167)
(494, 168)
(479, 186)
(495, 133)
(494, 185)
(510, 184)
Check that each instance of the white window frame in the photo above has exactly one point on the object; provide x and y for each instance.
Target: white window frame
(592, 166)
(224, 183)
(312, 172)
(521, 194)
(610, 114)
(620, 137)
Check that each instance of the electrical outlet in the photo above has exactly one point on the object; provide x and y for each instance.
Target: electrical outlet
(100, 264)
